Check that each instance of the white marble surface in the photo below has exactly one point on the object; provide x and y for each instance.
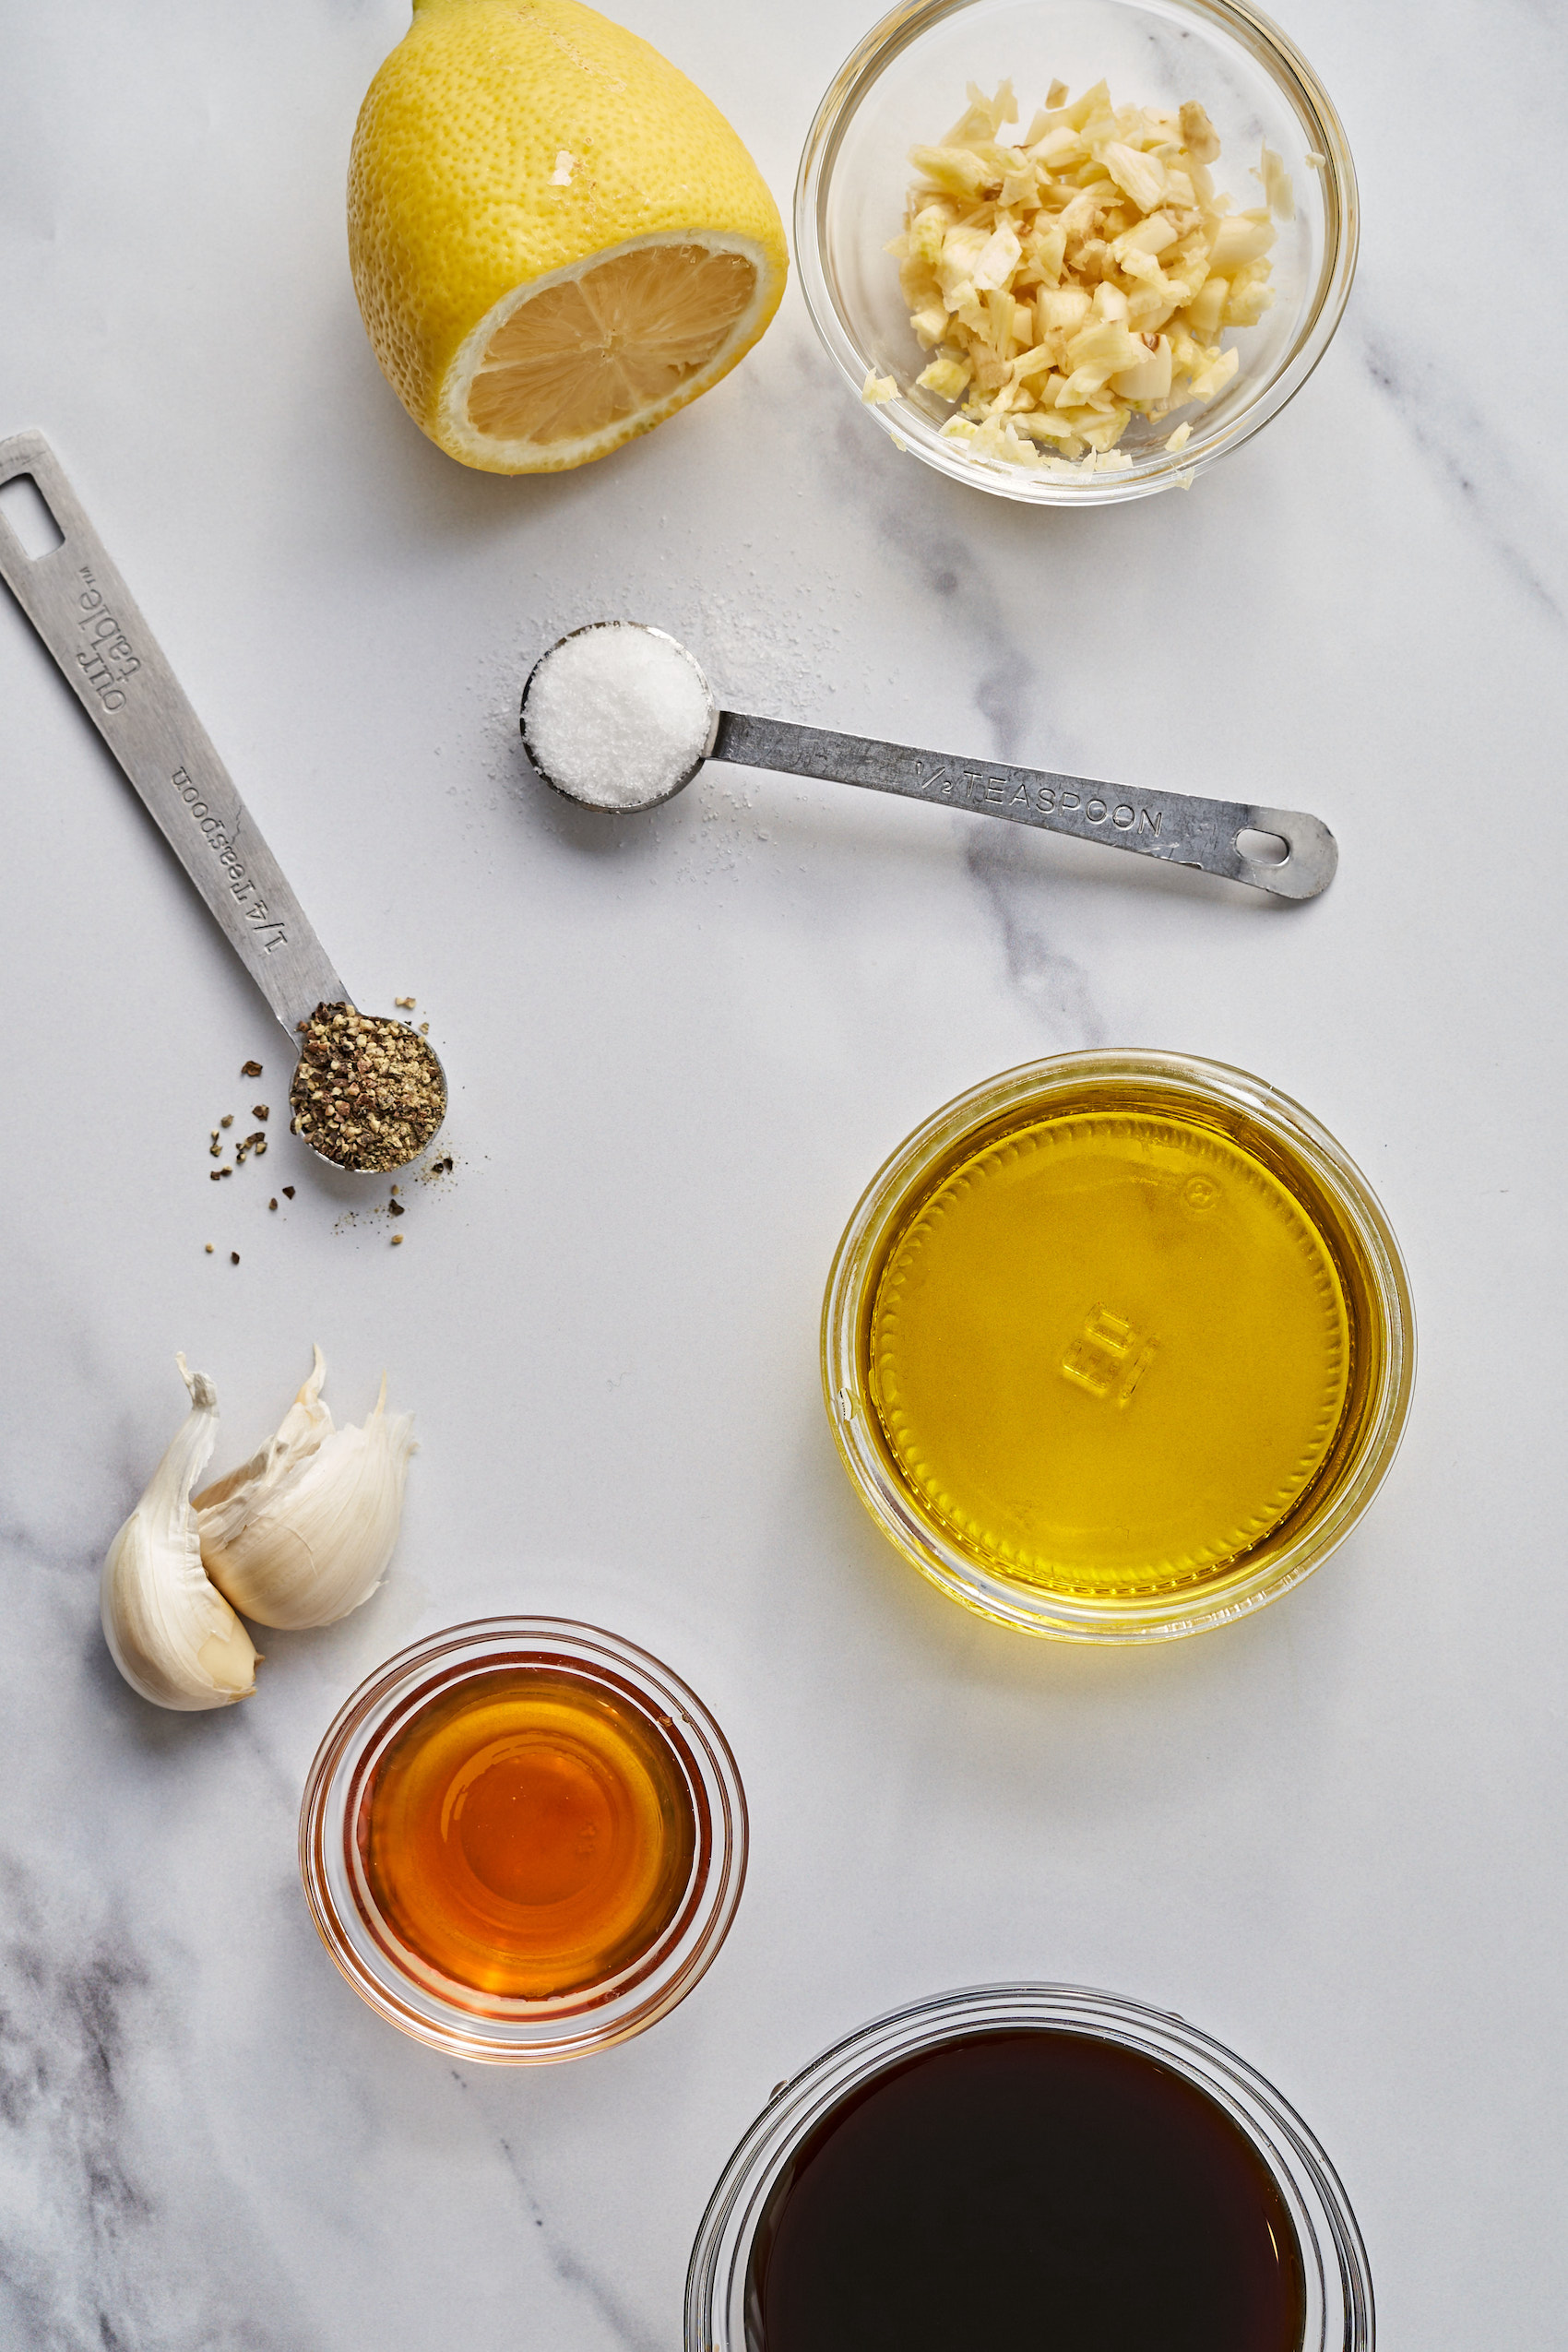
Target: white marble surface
(1330, 1836)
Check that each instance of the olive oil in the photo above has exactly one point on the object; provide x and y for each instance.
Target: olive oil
(530, 1833)
(1114, 1349)
(1027, 2189)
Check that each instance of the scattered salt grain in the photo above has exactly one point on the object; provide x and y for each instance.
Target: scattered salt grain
(617, 716)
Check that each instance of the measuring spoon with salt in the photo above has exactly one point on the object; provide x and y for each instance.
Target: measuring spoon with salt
(619, 717)
(81, 608)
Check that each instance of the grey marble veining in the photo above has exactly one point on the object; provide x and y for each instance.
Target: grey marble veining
(678, 1051)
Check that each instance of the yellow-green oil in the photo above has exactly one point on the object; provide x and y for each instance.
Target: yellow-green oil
(1113, 1351)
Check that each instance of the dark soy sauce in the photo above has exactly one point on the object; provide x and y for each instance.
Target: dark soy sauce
(1026, 2191)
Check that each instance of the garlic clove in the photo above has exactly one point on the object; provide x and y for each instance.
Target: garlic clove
(222, 1509)
(303, 1534)
(173, 1638)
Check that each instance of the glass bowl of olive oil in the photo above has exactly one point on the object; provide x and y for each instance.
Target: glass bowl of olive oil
(1118, 1347)
(523, 1839)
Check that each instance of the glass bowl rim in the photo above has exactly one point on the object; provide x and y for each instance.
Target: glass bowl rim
(1035, 1608)
(1333, 2250)
(541, 2039)
(1264, 39)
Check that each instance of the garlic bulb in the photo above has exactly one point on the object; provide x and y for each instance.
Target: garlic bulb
(302, 1533)
(172, 1638)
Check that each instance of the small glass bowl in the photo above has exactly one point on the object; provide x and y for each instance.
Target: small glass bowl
(497, 2028)
(1338, 2281)
(905, 84)
(1273, 1127)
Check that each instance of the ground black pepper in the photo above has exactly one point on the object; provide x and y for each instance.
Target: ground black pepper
(368, 1093)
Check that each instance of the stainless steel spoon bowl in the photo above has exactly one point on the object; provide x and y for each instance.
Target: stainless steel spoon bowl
(1179, 828)
(81, 608)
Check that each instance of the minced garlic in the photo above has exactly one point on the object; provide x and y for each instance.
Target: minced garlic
(1081, 278)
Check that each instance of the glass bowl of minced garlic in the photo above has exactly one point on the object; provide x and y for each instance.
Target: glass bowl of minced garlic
(1073, 250)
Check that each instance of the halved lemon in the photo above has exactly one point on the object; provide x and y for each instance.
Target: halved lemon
(556, 239)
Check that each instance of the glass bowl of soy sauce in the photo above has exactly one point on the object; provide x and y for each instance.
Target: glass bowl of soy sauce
(1028, 2164)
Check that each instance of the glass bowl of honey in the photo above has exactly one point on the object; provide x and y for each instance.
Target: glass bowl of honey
(1118, 1347)
(523, 1839)
(1028, 2164)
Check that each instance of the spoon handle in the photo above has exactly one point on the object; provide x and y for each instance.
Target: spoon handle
(1182, 827)
(83, 610)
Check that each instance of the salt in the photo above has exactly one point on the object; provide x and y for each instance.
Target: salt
(617, 716)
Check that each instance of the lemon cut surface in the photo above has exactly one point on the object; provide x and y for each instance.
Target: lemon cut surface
(556, 240)
(593, 356)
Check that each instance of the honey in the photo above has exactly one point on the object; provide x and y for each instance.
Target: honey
(530, 1833)
(1118, 1345)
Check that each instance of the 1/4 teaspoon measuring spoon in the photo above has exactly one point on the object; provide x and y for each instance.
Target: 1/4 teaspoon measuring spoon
(595, 713)
(81, 608)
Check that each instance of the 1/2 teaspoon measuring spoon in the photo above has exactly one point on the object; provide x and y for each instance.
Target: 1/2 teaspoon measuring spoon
(1180, 828)
(81, 608)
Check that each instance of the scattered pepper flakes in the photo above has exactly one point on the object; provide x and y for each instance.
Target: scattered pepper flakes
(261, 1110)
(250, 1069)
(405, 1003)
(260, 1146)
(396, 1241)
(214, 1173)
(227, 1120)
(424, 1028)
(288, 1191)
(273, 1203)
(233, 1257)
(225, 1171)
(215, 1151)
(210, 1249)
(395, 1208)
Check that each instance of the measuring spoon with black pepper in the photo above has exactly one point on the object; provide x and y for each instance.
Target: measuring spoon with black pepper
(368, 1094)
(1283, 851)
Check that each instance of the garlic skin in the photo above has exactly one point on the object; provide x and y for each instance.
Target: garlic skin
(301, 1533)
(174, 1639)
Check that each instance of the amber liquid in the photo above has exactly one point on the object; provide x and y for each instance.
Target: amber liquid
(1026, 2190)
(1114, 1351)
(530, 1834)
